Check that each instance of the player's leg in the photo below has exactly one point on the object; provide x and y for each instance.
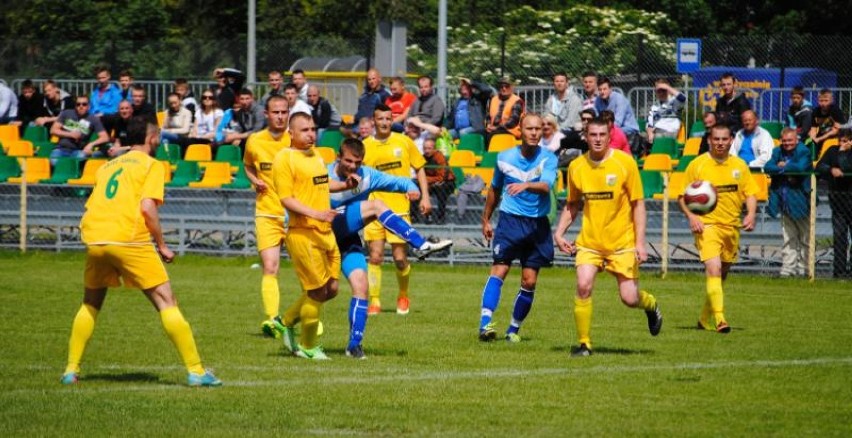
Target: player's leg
(377, 210)
(714, 304)
(535, 253)
(403, 276)
(789, 247)
(317, 262)
(523, 302)
(632, 296)
(490, 299)
(81, 331)
(376, 256)
(269, 291)
(354, 266)
(586, 273)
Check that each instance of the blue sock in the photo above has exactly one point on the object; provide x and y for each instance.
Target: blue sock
(490, 300)
(357, 321)
(397, 225)
(523, 304)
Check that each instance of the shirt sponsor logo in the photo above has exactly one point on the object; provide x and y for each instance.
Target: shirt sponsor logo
(265, 166)
(397, 152)
(611, 179)
(597, 196)
(727, 189)
(736, 174)
(322, 179)
(389, 166)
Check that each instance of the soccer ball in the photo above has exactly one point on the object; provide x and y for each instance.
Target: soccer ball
(700, 197)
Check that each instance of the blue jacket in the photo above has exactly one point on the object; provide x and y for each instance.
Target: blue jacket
(372, 180)
(790, 194)
(106, 103)
(620, 106)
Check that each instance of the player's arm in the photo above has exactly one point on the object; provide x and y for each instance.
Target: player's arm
(639, 225)
(566, 218)
(351, 181)
(695, 223)
(293, 205)
(425, 202)
(382, 182)
(152, 223)
(751, 213)
(492, 198)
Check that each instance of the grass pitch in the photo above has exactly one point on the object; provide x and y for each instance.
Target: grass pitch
(784, 370)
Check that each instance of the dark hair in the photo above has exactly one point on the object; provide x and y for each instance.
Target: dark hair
(590, 74)
(560, 73)
(246, 91)
(275, 72)
(298, 71)
(724, 126)
(824, 91)
(353, 145)
(421, 77)
(138, 87)
(381, 107)
(844, 133)
(276, 98)
(28, 83)
(128, 73)
(798, 89)
(291, 86)
(607, 116)
(604, 80)
(101, 68)
(711, 113)
(181, 81)
(597, 121)
(398, 79)
(588, 111)
(662, 81)
(728, 75)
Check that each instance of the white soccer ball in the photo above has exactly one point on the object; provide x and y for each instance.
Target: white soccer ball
(700, 197)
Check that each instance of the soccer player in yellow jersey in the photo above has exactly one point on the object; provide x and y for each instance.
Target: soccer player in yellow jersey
(302, 184)
(394, 154)
(612, 236)
(717, 234)
(120, 220)
(261, 149)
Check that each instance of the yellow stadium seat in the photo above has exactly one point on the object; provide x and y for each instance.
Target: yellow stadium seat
(198, 152)
(161, 118)
(18, 148)
(328, 154)
(659, 162)
(167, 168)
(486, 173)
(37, 170)
(462, 158)
(90, 171)
(762, 181)
(692, 146)
(501, 142)
(347, 119)
(216, 173)
(675, 187)
(777, 142)
(9, 133)
(681, 134)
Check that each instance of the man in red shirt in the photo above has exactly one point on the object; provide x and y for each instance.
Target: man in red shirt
(399, 102)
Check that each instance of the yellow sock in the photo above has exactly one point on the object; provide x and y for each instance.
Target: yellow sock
(271, 295)
(81, 332)
(180, 333)
(374, 275)
(716, 298)
(583, 319)
(402, 277)
(291, 315)
(310, 320)
(647, 301)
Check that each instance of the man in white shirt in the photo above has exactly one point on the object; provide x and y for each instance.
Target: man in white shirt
(664, 116)
(752, 143)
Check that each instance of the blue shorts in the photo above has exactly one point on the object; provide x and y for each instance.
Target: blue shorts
(527, 239)
(346, 227)
(349, 222)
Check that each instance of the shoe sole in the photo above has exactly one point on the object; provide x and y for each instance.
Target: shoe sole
(431, 251)
(655, 328)
(362, 357)
(488, 336)
(725, 329)
(401, 311)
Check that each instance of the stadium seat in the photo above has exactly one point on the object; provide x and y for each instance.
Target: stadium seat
(665, 145)
(36, 134)
(18, 148)
(652, 183)
(37, 169)
(762, 181)
(774, 128)
(187, 172)
(458, 172)
(161, 118)
(681, 134)
(697, 129)
(198, 152)
(692, 146)
(462, 158)
(228, 153)
(90, 171)
(347, 119)
(215, 175)
(240, 180)
(44, 149)
(328, 154)
(486, 173)
(658, 162)
(168, 152)
(9, 133)
(675, 187)
(9, 168)
(826, 145)
(66, 168)
(684, 162)
(331, 138)
(472, 142)
(643, 123)
(501, 142)
(489, 159)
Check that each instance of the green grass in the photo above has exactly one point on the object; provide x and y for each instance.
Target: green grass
(784, 370)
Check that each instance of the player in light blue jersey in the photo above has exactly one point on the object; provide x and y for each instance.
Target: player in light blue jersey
(522, 182)
(356, 212)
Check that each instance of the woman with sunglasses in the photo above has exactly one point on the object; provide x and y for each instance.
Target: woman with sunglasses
(207, 118)
(551, 136)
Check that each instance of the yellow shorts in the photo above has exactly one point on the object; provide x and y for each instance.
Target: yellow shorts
(375, 231)
(315, 256)
(139, 266)
(269, 231)
(622, 262)
(718, 241)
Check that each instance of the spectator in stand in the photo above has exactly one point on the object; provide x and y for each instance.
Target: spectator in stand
(55, 101)
(74, 129)
(664, 115)
(827, 118)
(366, 128)
(249, 119)
(125, 81)
(229, 82)
(590, 90)
(373, 95)
(617, 139)
(428, 107)
(836, 168)
(611, 100)
(121, 132)
(207, 118)
(730, 105)
(298, 79)
(468, 112)
(141, 106)
(291, 93)
(324, 113)
(789, 196)
(178, 122)
(106, 95)
(8, 104)
(399, 102)
(575, 143)
(709, 123)
(752, 143)
(504, 111)
(441, 181)
(29, 105)
(187, 98)
(564, 105)
(551, 136)
(276, 82)
(800, 115)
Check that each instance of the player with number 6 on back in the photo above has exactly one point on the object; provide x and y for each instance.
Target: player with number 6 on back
(120, 220)
(717, 233)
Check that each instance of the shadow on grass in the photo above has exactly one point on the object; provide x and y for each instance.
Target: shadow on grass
(694, 328)
(605, 350)
(128, 377)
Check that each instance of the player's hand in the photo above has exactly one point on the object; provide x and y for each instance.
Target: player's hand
(781, 164)
(88, 149)
(425, 205)
(696, 225)
(352, 181)
(836, 172)
(748, 222)
(327, 215)
(166, 254)
(75, 135)
(515, 188)
(413, 195)
(487, 230)
(641, 252)
(261, 187)
(564, 245)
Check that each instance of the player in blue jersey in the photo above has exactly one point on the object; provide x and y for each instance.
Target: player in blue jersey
(523, 179)
(356, 211)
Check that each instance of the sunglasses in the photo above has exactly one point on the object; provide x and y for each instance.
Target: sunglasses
(586, 119)
(505, 85)
(82, 104)
(206, 97)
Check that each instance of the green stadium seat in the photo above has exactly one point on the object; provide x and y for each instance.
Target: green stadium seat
(774, 128)
(697, 129)
(643, 123)
(684, 161)
(459, 174)
(187, 172)
(66, 168)
(43, 149)
(240, 180)
(229, 154)
(36, 134)
(331, 138)
(665, 145)
(472, 142)
(170, 153)
(489, 159)
(9, 168)
(652, 182)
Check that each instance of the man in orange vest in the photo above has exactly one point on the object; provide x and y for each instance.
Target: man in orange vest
(505, 111)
